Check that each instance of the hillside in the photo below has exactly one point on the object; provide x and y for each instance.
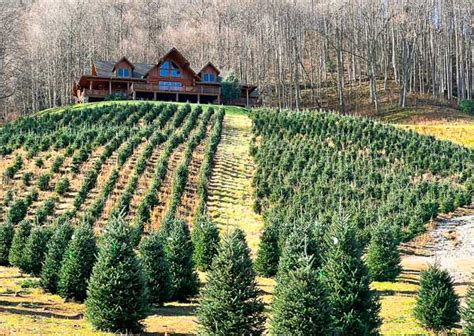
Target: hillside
(154, 161)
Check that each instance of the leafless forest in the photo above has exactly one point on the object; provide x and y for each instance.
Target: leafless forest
(286, 47)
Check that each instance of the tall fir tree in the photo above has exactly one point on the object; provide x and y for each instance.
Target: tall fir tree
(35, 250)
(54, 256)
(355, 307)
(437, 304)
(300, 302)
(383, 257)
(179, 251)
(16, 257)
(117, 297)
(6, 238)
(268, 254)
(230, 303)
(205, 237)
(157, 269)
(76, 267)
(468, 312)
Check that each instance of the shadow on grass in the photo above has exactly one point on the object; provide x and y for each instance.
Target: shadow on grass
(34, 310)
(172, 310)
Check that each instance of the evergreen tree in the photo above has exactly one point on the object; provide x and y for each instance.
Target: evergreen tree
(54, 256)
(6, 237)
(230, 304)
(268, 255)
(437, 305)
(468, 312)
(117, 298)
(300, 302)
(156, 266)
(179, 251)
(76, 268)
(35, 250)
(355, 306)
(205, 237)
(16, 255)
(383, 257)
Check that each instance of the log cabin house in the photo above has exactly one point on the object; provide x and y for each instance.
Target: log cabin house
(171, 79)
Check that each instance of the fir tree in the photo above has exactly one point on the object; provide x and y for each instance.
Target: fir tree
(54, 256)
(76, 268)
(268, 255)
(35, 250)
(437, 305)
(230, 302)
(355, 306)
(16, 255)
(205, 237)
(383, 257)
(6, 237)
(300, 302)
(117, 298)
(179, 251)
(156, 266)
(468, 312)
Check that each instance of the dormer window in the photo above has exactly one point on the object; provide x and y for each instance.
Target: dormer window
(123, 72)
(209, 77)
(168, 69)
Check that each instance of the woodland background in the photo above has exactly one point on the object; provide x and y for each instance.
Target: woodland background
(301, 53)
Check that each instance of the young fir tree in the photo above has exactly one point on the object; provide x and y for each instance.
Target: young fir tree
(76, 267)
(117, 298)
(179, 251)
(268, 255)
(383, 257)
(468, 312)
(205, 237)
(16, 257)
(300, 302)
(6, 238)
(54, 256)
(156, 266)
(437, 305)
(355, 307)
(35, 250)
(230, 303)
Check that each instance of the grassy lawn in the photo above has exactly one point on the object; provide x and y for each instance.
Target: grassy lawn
(460, 133)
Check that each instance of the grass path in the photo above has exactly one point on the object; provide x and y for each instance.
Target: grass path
(230, 192)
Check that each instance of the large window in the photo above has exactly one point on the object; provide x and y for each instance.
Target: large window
(170, 86)
(123, 72)
(169, 68)
(209, 77)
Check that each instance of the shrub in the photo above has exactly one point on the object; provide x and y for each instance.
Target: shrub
(156, 266)
(62, 186)
(230, 303)
(39, 163)
(54, 256)
(268, 255)
(205, 237)
(17, 211)
(35, 250)
(76, 267)
(437, 305)
(230, 87)
(179, 251)
(117, 298)
(16, 255)
(383, 257)
(26, 178)
(467, 106)
(6, 237)
(43, 181)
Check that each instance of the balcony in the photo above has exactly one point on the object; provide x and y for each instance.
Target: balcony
(174, 89)
(103, 92)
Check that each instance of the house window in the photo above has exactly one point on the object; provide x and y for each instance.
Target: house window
(169, 68)
(209, 77)
(123, 72)
(170, 86)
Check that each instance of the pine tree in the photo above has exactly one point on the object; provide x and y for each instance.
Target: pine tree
(54, 256)
(355, 306)
(437, 305)
(383, 257)
(300, 302)
(205, 237)
(117, 298)
(6, 237)
(268, 255)
(156, 266)
(230, 303)
(468, 312)
(16, 255)
(76, 267)
(35, 250)
(179, 251)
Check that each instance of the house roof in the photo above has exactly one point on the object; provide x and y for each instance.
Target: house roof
(179, 58)
(123, 59)
(105, 69)
(209, 64)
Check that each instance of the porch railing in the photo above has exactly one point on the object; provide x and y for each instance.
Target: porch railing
(173, 89)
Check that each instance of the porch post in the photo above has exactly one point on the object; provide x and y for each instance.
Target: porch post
(177, 97)
(110, 87)
(247, 93)
(134, 95)
(154, 95)
(218, 99)
(90, 85)
(199, 99)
